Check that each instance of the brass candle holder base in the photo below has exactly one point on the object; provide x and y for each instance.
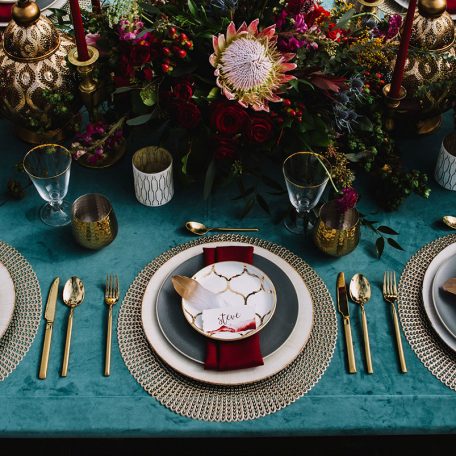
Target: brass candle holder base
(392, 104)
(88, 87)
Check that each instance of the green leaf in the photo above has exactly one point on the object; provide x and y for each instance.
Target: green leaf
(394, 244)
(345, 18)
(148, 95)
(140, 120)
(209, 179)
(380, 246)
(192, 7)
(365, 124)
(120, 90)
(213, 93)
(248, 207)
(319, 138)
(263, 204)
(272, 183)
(184, 161)
(294, 83)
(387, 230)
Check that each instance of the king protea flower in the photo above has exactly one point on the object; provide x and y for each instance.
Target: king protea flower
(249, 67)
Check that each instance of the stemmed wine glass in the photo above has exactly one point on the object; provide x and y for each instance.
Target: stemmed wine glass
(48, 167)
(306, 175)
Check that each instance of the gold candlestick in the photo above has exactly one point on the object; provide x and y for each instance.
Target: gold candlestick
(88, 86)
(392, 104)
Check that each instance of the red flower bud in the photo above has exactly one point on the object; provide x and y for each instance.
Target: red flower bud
(166, 51)
(182, 53)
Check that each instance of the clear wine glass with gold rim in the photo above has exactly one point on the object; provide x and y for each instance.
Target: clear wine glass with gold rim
(48, 167)
(306, 176)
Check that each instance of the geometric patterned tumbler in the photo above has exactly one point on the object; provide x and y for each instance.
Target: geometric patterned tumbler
(153, 176)
(445, 170)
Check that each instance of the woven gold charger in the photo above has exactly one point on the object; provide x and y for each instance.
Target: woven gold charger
(227, 403)
(425, 342)
(22, 330)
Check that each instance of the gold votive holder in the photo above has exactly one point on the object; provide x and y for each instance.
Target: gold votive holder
(93, 221)
(337, 233)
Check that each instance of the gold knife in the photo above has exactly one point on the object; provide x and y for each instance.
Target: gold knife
(342, 304)
(49, 316)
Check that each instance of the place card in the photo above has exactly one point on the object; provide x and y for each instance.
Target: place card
(229, 319)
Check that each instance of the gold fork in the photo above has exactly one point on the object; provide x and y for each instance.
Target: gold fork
(390, 295)
(111, 297)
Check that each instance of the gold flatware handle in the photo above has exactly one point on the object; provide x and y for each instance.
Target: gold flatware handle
(397, 331)
(367, 351)
(349, 344)
(45, 354)
(236, 229)
(107, 371)
(66, 354)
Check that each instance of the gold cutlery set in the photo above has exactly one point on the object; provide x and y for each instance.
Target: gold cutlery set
(360, 293)
(73, 295)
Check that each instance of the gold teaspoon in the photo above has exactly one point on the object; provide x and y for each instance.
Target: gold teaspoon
(360, 293)
(73, 295)
(200, 229)
(450, 221)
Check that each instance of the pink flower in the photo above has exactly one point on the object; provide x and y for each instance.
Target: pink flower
(92, 39)
(348, 199)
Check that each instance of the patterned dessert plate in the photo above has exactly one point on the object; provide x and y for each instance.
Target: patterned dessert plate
(237, 284)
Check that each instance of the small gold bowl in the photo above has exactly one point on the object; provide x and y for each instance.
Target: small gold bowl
(93, 221)
(337, 233)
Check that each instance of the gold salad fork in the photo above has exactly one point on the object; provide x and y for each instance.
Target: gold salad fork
(110, 298)
(390, 295)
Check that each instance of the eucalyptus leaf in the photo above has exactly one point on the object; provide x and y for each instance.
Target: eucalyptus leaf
(140, 120)
(387, 230)
(394, 243)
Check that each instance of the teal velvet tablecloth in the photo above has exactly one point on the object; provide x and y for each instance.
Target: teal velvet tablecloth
(87, 404)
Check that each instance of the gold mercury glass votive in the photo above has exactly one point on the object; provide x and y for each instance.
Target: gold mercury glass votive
(336, 233)
(93, 221)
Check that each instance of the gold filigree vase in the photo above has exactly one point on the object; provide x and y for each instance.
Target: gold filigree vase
(430, 68)
(33, 67)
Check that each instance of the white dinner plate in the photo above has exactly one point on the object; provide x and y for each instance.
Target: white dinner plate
(7, 299)
(405, 4)
(428, 301)
(444, 301)
(273, 364)
(238, 284)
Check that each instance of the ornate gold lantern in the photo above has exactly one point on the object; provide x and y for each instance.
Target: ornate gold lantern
(33, 68)
(430, 68)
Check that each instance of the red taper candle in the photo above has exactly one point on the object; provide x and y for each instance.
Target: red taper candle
(79, 32)
(96, 6)
(398, 73)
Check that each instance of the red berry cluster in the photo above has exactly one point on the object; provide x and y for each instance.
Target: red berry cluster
(374, 81)
(289, 109)
(174, 49)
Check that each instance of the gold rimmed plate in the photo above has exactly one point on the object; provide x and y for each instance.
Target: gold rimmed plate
(237, 284)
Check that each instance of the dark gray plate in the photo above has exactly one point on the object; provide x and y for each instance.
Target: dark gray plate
(444, 302)
(193, 345)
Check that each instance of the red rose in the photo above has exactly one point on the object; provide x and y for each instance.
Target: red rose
(188, 115)
(140, 52)
(229, 118)
(183, 91)
(260, 128)
(317, 15)
(225, 148)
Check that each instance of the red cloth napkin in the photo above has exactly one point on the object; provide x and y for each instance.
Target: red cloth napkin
(451, 6)
(243, 353)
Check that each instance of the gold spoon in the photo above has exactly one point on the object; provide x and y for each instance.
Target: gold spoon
(360, 293)
(73, 295)
(201, 229)
(450, 221)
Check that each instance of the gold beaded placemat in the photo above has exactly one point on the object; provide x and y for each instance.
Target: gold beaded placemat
(227, 403)
(425, 342)
(22, 330)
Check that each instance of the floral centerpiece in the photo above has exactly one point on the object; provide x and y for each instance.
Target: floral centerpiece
(234, 86)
